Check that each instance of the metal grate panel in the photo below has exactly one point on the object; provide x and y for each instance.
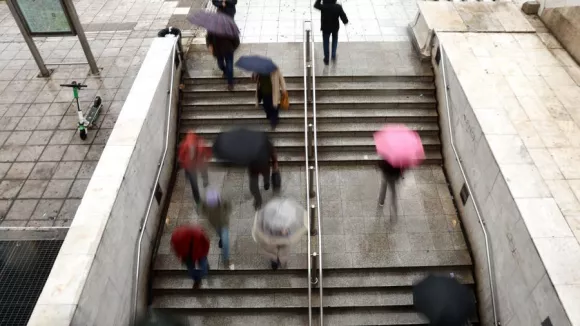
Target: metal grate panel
(24, 268)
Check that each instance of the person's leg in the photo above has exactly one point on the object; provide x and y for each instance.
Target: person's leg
(221, 64)
(203, 267)
(393, 186)
(334, 44)
(204, 176)
(271, 112)
(266, 173)
(229, 66)
(383, 191)
(225, 241)
(325, 41)
(193, 273)
(192, 177)
(255, 190)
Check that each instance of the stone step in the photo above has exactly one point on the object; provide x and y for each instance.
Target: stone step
(297, 279)
(320, 106)
(168, 263)
(388, 115)
(320, 99)
(319, 79)
(322, 88)
(299, 317)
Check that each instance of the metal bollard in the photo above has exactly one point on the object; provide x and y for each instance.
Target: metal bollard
(313, 230)
(314, 272)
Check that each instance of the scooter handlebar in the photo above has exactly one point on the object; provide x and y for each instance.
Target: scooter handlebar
(74, 84)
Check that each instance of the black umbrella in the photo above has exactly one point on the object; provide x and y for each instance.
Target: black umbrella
(258, 64)
(444, 301)
(242, 146)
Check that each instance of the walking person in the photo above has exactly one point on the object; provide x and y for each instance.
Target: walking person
(191, 246)
(330, 13)
(270, 88)
(391, 176)
(226, 7)
(223, 48)
(262, 168)
(193, 156)
(217, 210)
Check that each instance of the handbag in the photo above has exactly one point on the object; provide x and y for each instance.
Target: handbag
(276, 180)
(284, 101)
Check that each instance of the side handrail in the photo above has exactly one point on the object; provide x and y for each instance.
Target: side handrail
(307, 30)
(468, 186)
(137, 263)
(319, 219)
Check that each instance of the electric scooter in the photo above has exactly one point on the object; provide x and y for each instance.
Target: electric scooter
(92, 114)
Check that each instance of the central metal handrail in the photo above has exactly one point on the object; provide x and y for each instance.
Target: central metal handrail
(442, 57)
(307, 29)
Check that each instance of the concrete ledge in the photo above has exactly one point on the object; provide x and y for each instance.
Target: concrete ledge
(92, 277)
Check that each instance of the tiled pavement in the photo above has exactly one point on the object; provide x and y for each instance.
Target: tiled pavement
(355, 231)
(44, 165)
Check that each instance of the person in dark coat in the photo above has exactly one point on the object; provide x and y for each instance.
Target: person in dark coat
(223, 49)
(226, 7)
(391, 175)
(191, 246)
(262, 168)
(330, 12)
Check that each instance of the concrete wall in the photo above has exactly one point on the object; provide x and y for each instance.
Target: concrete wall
(525, 295)
(562, 17)
(91, 281)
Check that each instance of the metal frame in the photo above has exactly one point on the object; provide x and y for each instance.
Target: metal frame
(467, 185)
(21, 16)
(160, 166)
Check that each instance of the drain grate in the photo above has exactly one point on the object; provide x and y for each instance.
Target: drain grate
(24, 268)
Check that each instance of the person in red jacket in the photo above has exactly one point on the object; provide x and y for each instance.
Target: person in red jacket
(191, 246)
(193, 156)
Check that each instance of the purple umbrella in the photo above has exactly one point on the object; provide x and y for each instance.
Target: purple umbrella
(215, 22)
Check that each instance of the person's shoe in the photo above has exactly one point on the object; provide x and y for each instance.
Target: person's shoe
(334, 58)
(381, 204)
(257, 205)
(230, 88)
(196, 285)
(274, 265)
(220, 244)
(326, 61)
(266, 186)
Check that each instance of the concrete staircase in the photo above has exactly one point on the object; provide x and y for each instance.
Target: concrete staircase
(349, 110)
(369, 288)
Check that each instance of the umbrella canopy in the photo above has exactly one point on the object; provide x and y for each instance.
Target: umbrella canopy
(282, 221)
(258, 64)
(242, 146)
(444, 301)
(215, 22)
(400, 146)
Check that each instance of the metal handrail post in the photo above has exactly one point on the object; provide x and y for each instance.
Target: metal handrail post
(313, 230)
(311, 192)
(314, 258)
(310, 141)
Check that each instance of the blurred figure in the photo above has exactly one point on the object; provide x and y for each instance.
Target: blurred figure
(330, 12)
(263, 168)
(226, 7)
(270, 88)
(391, 175)
(223, 48)
(193, 156)
(191, 246)
(281, 223)
(217, 211)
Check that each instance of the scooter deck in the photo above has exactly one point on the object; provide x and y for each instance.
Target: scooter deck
(93, 114)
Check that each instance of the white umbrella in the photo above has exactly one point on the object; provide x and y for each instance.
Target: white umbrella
(282, 221)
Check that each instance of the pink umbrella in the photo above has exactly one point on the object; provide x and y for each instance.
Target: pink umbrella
(400, 146)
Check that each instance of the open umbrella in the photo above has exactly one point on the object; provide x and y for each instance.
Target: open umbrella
(242, 146)
(258, 64)
(282, 221)
(399, 145)
(444, 301)
(215, 22)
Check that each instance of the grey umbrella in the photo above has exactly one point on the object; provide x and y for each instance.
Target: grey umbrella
(282, 221)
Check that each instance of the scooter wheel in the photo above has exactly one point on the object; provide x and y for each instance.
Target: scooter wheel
(83, 134)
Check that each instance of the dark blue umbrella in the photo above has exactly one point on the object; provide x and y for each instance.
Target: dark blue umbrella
(258, 64)
(215, 22)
